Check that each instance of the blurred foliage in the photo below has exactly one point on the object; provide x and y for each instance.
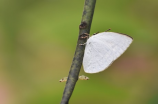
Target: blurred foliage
(37, 44)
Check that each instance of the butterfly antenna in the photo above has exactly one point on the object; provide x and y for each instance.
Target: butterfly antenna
(108, 30)
(96, 33)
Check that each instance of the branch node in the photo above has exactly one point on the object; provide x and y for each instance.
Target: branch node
(84, 36)
(83, 25)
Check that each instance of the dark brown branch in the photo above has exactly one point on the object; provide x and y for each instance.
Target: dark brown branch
(78, 57)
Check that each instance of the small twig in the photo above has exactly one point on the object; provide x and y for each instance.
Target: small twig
(78, 57)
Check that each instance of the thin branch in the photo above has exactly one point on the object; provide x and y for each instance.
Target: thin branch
(78, 57)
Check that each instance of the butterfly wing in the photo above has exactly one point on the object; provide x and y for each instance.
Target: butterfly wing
(102, 49)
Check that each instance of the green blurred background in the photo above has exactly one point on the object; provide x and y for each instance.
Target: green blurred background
(37, 44)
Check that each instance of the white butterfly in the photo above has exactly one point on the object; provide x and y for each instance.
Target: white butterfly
(102, 49)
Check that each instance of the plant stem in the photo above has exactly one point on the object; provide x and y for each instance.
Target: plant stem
(78, 57)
